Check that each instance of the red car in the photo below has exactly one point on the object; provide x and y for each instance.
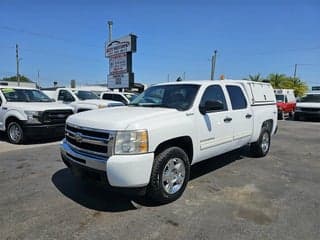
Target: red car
(286, 102)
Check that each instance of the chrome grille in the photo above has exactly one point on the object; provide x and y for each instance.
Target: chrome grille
(310, 109)
(55, 116)
(89, 141)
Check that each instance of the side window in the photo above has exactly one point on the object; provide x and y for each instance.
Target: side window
(238, 100)
(119, 98)
(285, 99)
(214, 93)
(65, 96)
(107, 96)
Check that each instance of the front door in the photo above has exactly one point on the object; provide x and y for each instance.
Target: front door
(215, 133)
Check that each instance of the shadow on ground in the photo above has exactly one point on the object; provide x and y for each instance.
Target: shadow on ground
(96, 197)
(88, 194)
(4, 138)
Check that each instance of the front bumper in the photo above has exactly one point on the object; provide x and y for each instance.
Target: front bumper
(308, 114)
(36, 131)
(121, 171)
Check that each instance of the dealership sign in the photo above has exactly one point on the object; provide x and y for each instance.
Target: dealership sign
(119, 53)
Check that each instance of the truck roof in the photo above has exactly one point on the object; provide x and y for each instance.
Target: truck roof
(14, 87)
(207, 82)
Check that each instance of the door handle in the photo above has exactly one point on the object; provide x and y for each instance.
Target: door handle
(248, 115)
(227, 119)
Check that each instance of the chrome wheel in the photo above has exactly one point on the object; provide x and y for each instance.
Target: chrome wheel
(173, 175)
(15, 132)
(265, 142)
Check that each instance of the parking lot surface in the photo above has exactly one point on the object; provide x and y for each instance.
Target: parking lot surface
(229, 197)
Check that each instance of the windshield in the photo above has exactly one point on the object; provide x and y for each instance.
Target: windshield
(130, 97)
(280, 97)
(85, 95)
(311, 98)
(180, 96)
(24, 95)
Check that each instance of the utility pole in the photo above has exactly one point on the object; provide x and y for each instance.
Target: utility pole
(184, 76)
(213, 64)
(38, 79)
(295, 71)
(168, 77)
(17, 59)
(110, 23)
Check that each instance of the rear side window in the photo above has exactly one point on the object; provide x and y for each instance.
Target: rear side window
(119, 98)
(214, 93)
(238, 100)
(107, 96)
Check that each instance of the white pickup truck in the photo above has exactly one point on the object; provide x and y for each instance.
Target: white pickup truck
(81, 100)
(28, 113)
(150, 144)
(308, 106)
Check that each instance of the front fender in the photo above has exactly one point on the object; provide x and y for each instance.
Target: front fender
(16, 114)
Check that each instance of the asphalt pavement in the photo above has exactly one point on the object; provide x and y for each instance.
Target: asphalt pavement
(229, 197)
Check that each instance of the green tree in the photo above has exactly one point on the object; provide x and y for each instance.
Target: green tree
(277, 80)
(299, 87)
(255, 78)
(14, 79)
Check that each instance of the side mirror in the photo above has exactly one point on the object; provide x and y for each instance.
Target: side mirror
(211, 106)
(52, 99)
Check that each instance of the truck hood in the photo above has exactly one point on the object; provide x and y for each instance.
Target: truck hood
(37, 106)
(119, 118)
(98, 102)
(308, 104)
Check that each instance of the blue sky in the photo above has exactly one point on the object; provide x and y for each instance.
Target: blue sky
(64, 40)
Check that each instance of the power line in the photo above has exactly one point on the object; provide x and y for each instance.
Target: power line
(45, 35)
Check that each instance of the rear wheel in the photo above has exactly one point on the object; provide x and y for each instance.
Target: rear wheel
(170, 175)
(15, 132)
(262, 146)
(280, 115)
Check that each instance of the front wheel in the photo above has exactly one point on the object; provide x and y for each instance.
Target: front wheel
(15, 133)
(170, 175)
(262, 146)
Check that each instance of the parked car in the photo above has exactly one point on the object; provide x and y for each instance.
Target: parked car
(150, 144)
(29, 113)
(286, 102)
(124, 97)
(308, 106)
(81, 100)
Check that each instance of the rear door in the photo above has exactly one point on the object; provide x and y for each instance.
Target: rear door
(215, 132)
(242, 118)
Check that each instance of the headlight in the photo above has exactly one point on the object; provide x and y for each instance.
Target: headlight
(131, 142)
(33, 116)
(101, 106)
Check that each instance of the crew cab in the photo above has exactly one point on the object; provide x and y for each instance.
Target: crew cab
(308, 106)
(80, 100)
(124, 97)
(149, 145)
(286, 102)
(29, 113)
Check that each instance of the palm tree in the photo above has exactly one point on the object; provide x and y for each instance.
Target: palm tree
(277, 80)
(255, 78)
(299, 87)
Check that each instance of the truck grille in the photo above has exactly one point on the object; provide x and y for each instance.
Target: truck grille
(55, 116)
(89, 141)
(310, 109)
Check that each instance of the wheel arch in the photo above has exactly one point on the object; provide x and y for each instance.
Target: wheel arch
(184, 142)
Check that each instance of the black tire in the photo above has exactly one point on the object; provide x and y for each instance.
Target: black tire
(15, 132)
(258, 149)
(296, 117)
(156, 191)
(280, 115)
